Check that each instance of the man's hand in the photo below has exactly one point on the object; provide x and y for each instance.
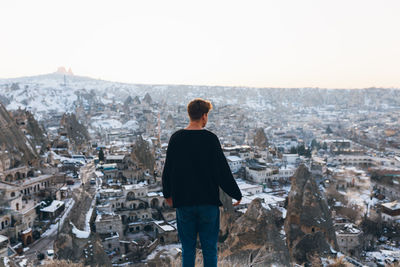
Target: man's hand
(236, 203)
(169, 201)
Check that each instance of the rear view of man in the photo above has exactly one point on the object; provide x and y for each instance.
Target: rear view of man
(194, 170)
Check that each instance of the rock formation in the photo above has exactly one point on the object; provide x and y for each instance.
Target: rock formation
(142, 154)
(29, 125)
(136, 100)
(147, 99)
(308, 225)
(74, 130)
(61, 70)
(128, 102)
(170, 123)
(12, 139)
(260, 139)
(254, 240)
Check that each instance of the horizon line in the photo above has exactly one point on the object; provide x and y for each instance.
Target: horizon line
(202, 85)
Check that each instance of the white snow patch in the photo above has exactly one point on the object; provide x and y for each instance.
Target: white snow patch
(23, 262)
(79, 233)
(6, 261)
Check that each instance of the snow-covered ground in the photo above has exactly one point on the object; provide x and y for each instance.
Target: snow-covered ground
(53, 228)
(86, 232)
(79, 233)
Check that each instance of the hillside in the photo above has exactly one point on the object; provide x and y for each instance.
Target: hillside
(14, 141)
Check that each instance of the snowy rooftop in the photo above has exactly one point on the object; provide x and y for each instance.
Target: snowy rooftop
(115, 157)
(155, 194)
(233, 158)
(109, 190)
(107, 217)
(243, 185)
(347, 229)
(3, 238)
(166, 227)
(134, 186)
(268, 199)
(392, 205)
(99, 174)
(27, 231)
(53, 206)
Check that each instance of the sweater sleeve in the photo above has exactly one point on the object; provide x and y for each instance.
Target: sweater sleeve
(166, 175)
(224, 174)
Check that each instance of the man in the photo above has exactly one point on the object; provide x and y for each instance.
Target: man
(194, 170)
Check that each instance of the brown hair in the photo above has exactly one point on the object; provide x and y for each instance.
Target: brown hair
(197, 107)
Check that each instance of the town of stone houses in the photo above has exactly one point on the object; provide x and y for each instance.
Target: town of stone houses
(81, 163)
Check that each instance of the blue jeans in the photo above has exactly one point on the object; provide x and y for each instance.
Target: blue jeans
(202, 220)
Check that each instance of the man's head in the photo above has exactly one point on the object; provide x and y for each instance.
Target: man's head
(198, 110)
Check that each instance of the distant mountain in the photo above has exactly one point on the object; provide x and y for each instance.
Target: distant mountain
(58, 93)
(62, 92)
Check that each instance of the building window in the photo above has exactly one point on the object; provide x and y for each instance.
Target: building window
(12, 194)
(110, 227)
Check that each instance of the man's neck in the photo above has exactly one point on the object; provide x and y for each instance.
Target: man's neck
(194, 125)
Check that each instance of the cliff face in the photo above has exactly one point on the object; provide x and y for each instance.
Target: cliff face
(20, 149)
(260, 139)
(28, 124)
(254, 240)
(308, 225)
(75, 131)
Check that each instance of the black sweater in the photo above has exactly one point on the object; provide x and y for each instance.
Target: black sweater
(195, 168)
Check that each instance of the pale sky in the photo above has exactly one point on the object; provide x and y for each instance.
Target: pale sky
(279, 43)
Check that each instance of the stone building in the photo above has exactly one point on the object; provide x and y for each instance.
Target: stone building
(165, 232)
(349, 238)
(109, 224)
(21, 197)
(391, 211)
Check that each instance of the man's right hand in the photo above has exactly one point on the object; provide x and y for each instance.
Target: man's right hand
(169, 201)
(236, 203)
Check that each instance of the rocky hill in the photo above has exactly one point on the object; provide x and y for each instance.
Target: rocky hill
(75, 131)
(252, 239)
(29, 125)
(13, 140)
(308, 225)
